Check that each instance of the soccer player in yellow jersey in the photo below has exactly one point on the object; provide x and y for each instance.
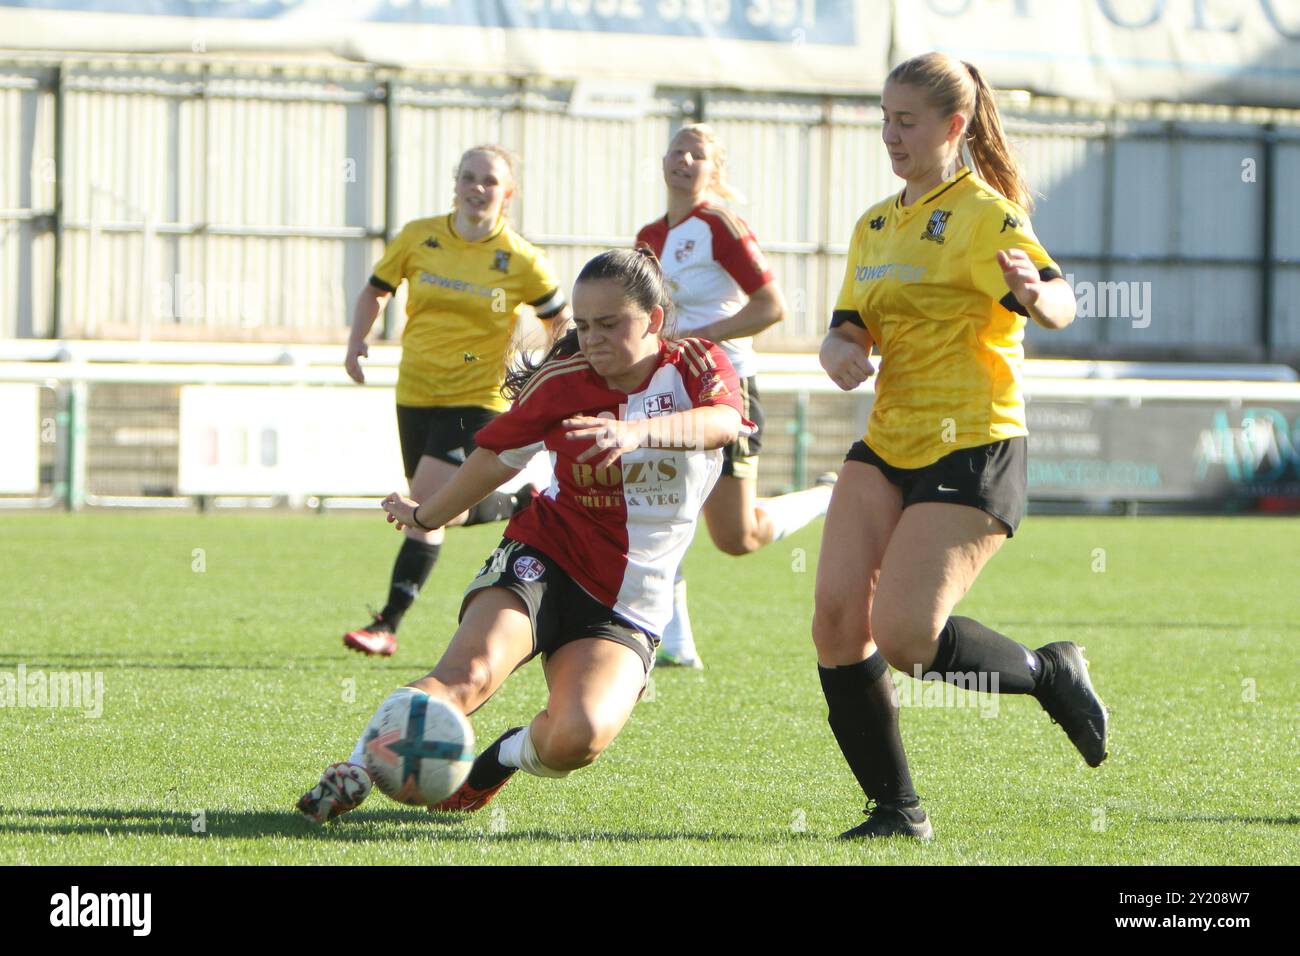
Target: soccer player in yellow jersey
(468, 276)
(940, 279)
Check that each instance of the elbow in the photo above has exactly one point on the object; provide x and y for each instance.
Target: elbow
(728, 429)
(777, 311)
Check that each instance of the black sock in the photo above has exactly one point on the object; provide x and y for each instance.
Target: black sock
(971, 655)
(495, 507)
(487, 770)
(864, 718)
(411, 569)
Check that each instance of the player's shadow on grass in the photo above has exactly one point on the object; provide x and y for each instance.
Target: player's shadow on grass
(256, 824)
(186, 662)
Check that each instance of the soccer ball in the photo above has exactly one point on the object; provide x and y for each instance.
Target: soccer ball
(418, 748)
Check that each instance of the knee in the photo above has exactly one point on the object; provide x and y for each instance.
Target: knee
(906, 640)
(838, 623)
(572, 743)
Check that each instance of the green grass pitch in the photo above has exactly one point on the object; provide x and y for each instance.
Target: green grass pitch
(226, 690)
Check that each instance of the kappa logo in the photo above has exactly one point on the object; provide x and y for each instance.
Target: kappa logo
(470, 357)
(878, 223)
(529, 568)
(432, 243)
(659, 404)
(684, 249)
(1010, 222)
(937, 224)
(501, 263)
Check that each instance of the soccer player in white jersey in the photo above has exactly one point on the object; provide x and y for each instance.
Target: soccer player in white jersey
(634, 424)
(723, 292)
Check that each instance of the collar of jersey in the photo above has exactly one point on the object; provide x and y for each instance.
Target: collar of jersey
(496, 230)
(932, 195)
(694, 209)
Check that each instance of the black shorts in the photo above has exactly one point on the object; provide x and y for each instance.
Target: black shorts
(992, 478)
(560, 610)
(443, 433)
(740, 458)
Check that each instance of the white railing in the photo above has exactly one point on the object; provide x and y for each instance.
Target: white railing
(71, 366)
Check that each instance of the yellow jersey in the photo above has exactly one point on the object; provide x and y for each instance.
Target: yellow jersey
(924, 281)
(463, 300)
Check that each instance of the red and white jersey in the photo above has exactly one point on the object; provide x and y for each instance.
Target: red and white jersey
(713, 263)
(621, 531)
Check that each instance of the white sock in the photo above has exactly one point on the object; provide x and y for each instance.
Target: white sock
(678, 639)
(358, 757)
(791, 512)
(518, 751)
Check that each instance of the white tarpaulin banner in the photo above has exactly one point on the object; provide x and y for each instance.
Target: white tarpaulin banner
(1215, 51)
(752, 44)
(296, 440)
(1233, 51)
(19, 439)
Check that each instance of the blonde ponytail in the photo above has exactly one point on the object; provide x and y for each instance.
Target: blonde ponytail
(989, 150)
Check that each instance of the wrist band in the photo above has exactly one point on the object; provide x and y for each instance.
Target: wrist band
(415, 516)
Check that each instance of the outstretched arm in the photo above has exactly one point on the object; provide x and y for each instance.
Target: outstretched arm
(700, 429)
(481, 474)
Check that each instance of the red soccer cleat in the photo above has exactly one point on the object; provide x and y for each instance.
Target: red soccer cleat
(467, 799)
(377, 637)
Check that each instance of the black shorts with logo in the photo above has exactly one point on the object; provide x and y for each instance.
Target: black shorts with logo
(560, 610)
(443, 433)
(740, 458)
(992, 478)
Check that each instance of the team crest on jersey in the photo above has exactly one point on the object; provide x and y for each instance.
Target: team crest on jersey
(711, 385)
(684, 248)
(502, 261)
(659, 404)
(529, 568)
(935, 227)
(1009, 221)
(432, 243)
(878, 223)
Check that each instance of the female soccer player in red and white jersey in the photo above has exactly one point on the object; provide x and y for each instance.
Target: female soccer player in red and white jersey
(940, 279)
(635, 424)
(468, 275)
(724, 293)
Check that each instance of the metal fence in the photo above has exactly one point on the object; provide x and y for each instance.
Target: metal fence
(195, 198)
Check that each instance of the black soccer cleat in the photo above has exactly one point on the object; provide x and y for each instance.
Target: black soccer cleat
(1070, 701)
(890, 820)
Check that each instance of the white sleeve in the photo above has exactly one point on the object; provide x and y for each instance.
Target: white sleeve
(518, 458)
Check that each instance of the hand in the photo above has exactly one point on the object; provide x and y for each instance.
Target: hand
(847, 363)
(1021, 276)
(613, 437)
(401, 511)
(356, 350)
